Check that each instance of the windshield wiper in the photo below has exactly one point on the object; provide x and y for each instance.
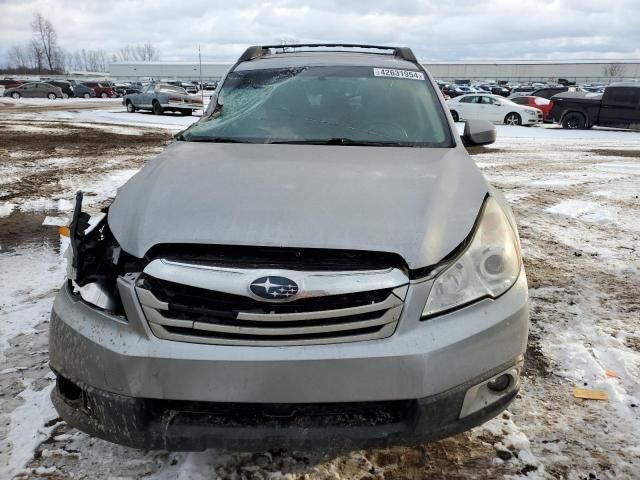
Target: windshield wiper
(346, 141)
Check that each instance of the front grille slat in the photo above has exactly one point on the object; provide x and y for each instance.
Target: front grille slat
(189, 313)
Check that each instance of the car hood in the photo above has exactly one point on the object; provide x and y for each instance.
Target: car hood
(420, 203)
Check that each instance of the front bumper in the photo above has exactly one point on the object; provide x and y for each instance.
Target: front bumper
(193, 426)
(428, 366)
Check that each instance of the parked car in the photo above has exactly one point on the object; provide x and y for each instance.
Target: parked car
(503, 91)
(162, 97)
(548, 92)
(82, 91)
(67, 90)
(210, 86)
(34, 90)
(317, 263)
(122, 90)
(101, 90)
(618, 106)
(451, 91)
(10, 83)
(543, 104)
(190, 88)
(493, 108)
(522, 91)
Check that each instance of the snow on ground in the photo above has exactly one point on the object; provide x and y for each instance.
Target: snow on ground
(575, 195)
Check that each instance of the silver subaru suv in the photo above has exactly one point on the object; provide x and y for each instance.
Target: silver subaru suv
(316, 263)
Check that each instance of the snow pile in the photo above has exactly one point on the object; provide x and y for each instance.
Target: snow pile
(584, 210)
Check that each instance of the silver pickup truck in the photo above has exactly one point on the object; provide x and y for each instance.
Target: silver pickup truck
(160, 98)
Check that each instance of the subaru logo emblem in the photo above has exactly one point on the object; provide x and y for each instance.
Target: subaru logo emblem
(274, 288)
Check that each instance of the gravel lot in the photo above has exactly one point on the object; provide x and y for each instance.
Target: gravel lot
(575, 195)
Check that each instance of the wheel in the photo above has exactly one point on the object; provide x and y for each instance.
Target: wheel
(573, 121)
(513, 119)
(187, 113)
(157, 108)
(103, 95)
(52, 96)
(65, 95)
(130, 107)
(86, 95)
(455, 116)
(15, 95)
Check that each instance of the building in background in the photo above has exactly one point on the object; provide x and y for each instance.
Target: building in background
(123, 71)
(581, 71)
(592, 71)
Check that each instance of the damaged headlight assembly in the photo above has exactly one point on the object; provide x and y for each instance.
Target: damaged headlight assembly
(489, 266)
(93, 259)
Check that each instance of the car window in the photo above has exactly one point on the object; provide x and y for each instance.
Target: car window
(520, 100)
(622, 95)
(487, 101)
(469, 99)
(169, 89)
(322, 103)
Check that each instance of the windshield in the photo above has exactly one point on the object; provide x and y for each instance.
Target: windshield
(335, 105)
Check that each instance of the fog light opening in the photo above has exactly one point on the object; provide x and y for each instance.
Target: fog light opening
(500, 383)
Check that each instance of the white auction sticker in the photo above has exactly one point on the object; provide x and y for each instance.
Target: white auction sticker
(393, 73)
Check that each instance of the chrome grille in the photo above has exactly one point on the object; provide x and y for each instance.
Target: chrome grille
(215, 306)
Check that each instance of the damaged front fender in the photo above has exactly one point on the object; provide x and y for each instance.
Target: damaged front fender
(95, 259)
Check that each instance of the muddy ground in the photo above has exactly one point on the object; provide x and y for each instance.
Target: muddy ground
(583, 273)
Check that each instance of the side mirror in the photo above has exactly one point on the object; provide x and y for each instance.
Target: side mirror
(478, 132)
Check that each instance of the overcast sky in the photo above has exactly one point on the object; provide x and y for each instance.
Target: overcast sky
(435, 29)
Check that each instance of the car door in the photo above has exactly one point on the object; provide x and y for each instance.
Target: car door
(490, 109)
(468, 107)
(30, 90)
(620, 107)
(144, 98)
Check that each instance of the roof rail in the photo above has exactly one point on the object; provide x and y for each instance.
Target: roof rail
(260, 50)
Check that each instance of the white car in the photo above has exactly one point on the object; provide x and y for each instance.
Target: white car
(493, 108)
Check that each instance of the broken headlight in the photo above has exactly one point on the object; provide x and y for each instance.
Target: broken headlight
(489, 266)
(93, 258)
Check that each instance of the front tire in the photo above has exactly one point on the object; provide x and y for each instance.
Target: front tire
(573, 121)
(15, 95)
(157, 108)
(513, 119)
(103, 95)
(455, 116)
(86, 95)
(130, 107)
(52, 96)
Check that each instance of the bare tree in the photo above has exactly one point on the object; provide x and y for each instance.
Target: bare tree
(612, 70)
(36, 56)
(19, 57)
(138, 53)
(47, 38)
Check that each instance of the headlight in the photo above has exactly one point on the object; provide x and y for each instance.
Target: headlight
(531, 112)
(487, 268)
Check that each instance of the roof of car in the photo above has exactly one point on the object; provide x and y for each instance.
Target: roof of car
(325, 58)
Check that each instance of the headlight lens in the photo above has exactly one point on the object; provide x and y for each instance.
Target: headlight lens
(488, 268)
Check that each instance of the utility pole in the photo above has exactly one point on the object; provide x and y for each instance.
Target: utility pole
(201, 86)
